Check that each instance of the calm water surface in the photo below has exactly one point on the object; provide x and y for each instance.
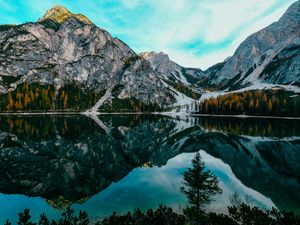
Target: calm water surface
(121, 162)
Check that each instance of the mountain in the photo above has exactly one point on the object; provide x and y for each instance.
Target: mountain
(70, 58)
(180, 80)
(65, 62)
(60, 14)
(271, 55)
(169, 70)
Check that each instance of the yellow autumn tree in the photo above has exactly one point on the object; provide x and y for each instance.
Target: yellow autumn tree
(32, 96)
(270, 105)
(18, 105)
(26, 100)
(10, 101)
(251, 104)
(37, 90)
(257, 103)
(65, 101)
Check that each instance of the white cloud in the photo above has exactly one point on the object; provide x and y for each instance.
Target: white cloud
(227, 16)
(131, 4)
(174, 26)
(217, 22)
(205, 61)
(218, 56)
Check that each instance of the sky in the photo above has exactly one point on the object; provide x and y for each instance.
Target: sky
(194, 33)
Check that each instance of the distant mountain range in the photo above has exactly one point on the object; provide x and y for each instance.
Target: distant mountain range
(65, 62)
(271, 55)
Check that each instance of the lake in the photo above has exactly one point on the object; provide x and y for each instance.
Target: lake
(122, 162)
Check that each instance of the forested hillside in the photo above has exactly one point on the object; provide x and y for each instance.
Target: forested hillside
(258, 103)
(39, 97)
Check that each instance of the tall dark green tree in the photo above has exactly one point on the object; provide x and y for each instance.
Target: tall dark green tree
(199, 186)
(24, 218)
(44, 220)
(7, 222)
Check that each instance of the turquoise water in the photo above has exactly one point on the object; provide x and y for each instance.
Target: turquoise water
(114, 163)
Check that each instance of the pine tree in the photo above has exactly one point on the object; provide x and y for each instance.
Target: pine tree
(10, 101)
(44, 220)
(270, 106)
(26, 100)
(199, 186)
(65, 101)
(7, 222)
(24, 218)
(83, 218)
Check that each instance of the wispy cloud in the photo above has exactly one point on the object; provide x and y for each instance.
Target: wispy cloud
(195, 33)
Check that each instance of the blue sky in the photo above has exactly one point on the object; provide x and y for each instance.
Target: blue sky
(195, 33)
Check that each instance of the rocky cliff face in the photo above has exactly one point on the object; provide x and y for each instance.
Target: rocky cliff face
(64, 48)
(60, 14)
(170, 70)
(179, 79)
(269, 56)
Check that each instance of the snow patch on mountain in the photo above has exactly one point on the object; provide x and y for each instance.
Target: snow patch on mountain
(257, 86)
(104, 98)
(183, 103)
(270, 55)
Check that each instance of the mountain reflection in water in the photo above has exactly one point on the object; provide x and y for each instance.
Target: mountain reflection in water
(120, 162)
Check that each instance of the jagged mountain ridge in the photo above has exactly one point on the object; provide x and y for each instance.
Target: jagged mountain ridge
(270, 55)
(181, 80)
(170, 70)
(64, 48)
(60, 14)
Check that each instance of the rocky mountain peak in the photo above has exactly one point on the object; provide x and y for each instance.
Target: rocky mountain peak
(60, 14)
(155, 58)
(158, 59)
(270, 56)
(292, 12)
(63, 52)
(170, 70)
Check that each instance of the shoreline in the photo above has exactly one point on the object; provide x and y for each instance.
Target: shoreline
(40, 113)
(145, 113)
(247, 116)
